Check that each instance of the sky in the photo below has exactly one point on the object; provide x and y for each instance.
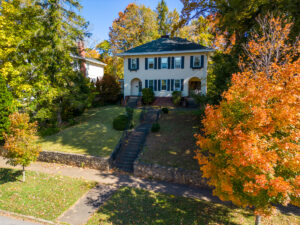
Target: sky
(101, 13)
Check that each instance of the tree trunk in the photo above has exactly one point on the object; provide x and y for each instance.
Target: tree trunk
(59, 119)
(257, 220)
(23, 174)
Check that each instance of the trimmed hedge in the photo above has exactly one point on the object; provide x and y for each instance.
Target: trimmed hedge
(120, 122)
(176, 97)
(155, 127)
(148, 96)
(165, 110)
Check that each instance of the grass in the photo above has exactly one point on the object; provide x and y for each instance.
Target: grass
(93, 135)
(174, 145)
(42, 196)
(135, 206)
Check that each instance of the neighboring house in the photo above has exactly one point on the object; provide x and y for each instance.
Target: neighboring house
(166, 65)
(92, 68)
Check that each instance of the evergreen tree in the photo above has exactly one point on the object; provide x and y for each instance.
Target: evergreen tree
(162, 18)
(6, 107)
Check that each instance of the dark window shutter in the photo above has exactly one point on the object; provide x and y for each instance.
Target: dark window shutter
(155, 85)
(137, 64)
(169, 62)
(173, 62)
(169, 84)
(182, 84)
(159, 85)
(202, 61)
(146, 83)
(159, 63)
(182, 62)
(155, 63)
(172, 85)
(192, 61)
(129, 63)
(146, 63)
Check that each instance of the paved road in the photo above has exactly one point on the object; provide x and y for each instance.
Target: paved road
(13, 221)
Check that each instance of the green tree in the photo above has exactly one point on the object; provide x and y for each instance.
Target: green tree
(162, 18)
(38, 37)
(6, 107)
(20, 142)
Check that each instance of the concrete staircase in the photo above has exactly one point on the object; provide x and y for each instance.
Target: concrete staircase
(134, 143)
(191, 103)
(132, 102)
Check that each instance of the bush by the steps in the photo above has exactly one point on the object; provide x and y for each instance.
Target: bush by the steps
(121, 122)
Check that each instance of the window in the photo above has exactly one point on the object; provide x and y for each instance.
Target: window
(177, 62)
(197, 61)
(177, 85)
(151, 63)
(151, 84)
(134, 64)
(164, 63)
(164, 85)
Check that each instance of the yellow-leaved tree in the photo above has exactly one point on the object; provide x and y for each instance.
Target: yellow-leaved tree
(20, 146)
(250, 147)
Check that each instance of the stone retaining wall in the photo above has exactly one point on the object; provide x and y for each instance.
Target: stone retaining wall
(78, 160)
(169, 174)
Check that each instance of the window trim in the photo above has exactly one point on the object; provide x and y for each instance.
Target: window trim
(179, 61)
(133, 59)
(195, 60)
(161, 66)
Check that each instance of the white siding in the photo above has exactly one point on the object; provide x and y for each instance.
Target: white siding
(94, 71)
(155, 74)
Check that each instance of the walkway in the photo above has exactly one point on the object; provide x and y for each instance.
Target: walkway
(13, 221)
(134, 143)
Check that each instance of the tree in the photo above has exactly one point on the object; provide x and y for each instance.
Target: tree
(162, 18)
(37, 38)
(250, 148)
(20, 141)
(6, 107)
(108, 88)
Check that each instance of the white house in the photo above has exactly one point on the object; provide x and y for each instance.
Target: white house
(165, 65)
(92, 68)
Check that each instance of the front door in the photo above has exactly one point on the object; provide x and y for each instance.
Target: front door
(135, 87)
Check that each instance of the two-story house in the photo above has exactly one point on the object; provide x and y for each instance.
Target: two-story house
(166, 65)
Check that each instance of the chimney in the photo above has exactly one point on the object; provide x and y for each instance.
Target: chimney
(165, 36)
(81, 53)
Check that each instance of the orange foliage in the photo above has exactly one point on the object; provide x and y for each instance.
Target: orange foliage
(250, 151)
(20, 143)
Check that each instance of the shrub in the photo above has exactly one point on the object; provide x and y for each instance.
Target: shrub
(176, 97)
(148, 96)
(5, 107)
(121, 122)
(165, 110)
(155, 127)
(49, 130)
(109, 89)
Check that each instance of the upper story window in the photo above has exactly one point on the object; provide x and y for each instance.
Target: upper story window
(164, 63)
(134, 63)
(177, 62)
(151, 63)
(197, 61)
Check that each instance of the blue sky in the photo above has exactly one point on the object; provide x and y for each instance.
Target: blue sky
(101, 13)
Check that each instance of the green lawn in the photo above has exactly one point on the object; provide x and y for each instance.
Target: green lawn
(42, 196)
(94, 135)
(135, 206)
(174, 145)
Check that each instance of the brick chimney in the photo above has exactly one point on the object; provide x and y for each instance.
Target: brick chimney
(81, 53)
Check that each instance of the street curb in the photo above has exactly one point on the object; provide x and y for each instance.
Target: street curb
(29, 218)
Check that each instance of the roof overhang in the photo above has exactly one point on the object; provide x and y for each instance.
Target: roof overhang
(165, 53)
(94, 61)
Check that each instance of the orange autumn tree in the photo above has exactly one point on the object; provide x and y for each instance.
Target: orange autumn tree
(20, 146)
(250, 147)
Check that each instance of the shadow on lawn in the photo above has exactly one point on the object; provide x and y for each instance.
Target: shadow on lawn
(9, 175)
(94, 135)
(134, 206)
